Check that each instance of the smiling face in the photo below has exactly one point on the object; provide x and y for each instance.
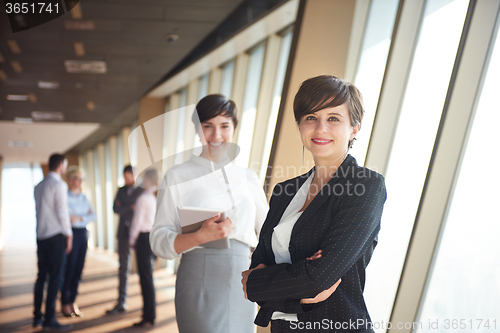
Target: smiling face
(326, 133)
(215, 134)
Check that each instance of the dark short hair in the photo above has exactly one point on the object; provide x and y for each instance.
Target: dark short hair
(214, 105)
(152, 175)
(128, 168)
(55, 160)
(327, 91)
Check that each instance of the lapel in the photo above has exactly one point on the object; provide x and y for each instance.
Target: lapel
(326, 192)
(286, 192)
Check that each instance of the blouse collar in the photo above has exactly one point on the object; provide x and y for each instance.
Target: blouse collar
(209, 164)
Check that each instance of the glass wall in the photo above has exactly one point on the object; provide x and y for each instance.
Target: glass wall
(226, 88)
(421, 110)
(371, 67)
(181, 125)
(465, 281)
(286, 43)
(18, 203)
(110, 230)
(119, 160)
(203, 86)
(98, 201)
(249, 108)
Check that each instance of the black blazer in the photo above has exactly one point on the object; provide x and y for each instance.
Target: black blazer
(343, 220)
(125, 208)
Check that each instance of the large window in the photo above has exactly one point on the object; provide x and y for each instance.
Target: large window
(464, 282)
(371, 68)
(119, 160)
(421, 110)
(18, 204)
(286, 43)
(249, 108)
(203, 86)
(98, 201)
(226, 88)
(109, 199)
(180, 126)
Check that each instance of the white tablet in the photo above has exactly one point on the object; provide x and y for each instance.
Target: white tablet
(192, 218)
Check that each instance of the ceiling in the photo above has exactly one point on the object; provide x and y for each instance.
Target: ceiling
(128, 35)
(43, 139)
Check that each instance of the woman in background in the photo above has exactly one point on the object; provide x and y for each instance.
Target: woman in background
(208, 296)
(81, 213)
(142, 222)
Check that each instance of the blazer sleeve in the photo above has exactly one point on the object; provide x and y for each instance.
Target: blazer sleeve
(259, 255)
(120, 209)
(354, 227)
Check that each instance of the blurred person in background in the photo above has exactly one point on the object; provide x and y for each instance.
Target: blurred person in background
(54, 240)
(80, 214)
(124, 206)
(144, 216)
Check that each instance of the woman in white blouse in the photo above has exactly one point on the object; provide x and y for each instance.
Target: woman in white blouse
(208, 296)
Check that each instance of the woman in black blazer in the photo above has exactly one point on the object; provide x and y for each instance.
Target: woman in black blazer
(308, 270)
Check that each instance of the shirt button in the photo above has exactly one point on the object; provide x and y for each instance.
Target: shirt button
(291, 249)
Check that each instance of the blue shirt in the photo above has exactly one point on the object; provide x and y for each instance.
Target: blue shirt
(79, 205)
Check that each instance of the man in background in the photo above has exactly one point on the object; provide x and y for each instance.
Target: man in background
(54, 240)
(124, 206)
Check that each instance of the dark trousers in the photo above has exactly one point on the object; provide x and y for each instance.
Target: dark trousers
(74, 266)
(145, 262)
(51, 261)
(124, 260)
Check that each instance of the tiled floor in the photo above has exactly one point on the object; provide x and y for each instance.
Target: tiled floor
(98, 292)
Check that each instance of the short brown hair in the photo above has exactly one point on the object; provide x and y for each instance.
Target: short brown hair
(214, 105)
(327, 91)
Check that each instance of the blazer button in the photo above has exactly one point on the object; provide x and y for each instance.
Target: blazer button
(291, 249)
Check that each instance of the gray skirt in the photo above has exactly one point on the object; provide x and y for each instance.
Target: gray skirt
(208, 293)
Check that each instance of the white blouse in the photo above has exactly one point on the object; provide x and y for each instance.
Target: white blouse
(201, 183)
(280, 240)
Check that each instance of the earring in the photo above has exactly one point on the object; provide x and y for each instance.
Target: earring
(303, 153)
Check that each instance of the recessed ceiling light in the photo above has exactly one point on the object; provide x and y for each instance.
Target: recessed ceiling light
(79, 49)
(16, 66)
(20, 144)
(32, 98)
(48, 84)
(3, 76)
(17, 97)
(13, 46)
(90, 106)
(171, 38)
(79, 25)
(21, 120)
(85, 66)
(47, 116)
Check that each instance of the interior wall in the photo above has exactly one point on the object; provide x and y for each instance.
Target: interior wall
(321, 48)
